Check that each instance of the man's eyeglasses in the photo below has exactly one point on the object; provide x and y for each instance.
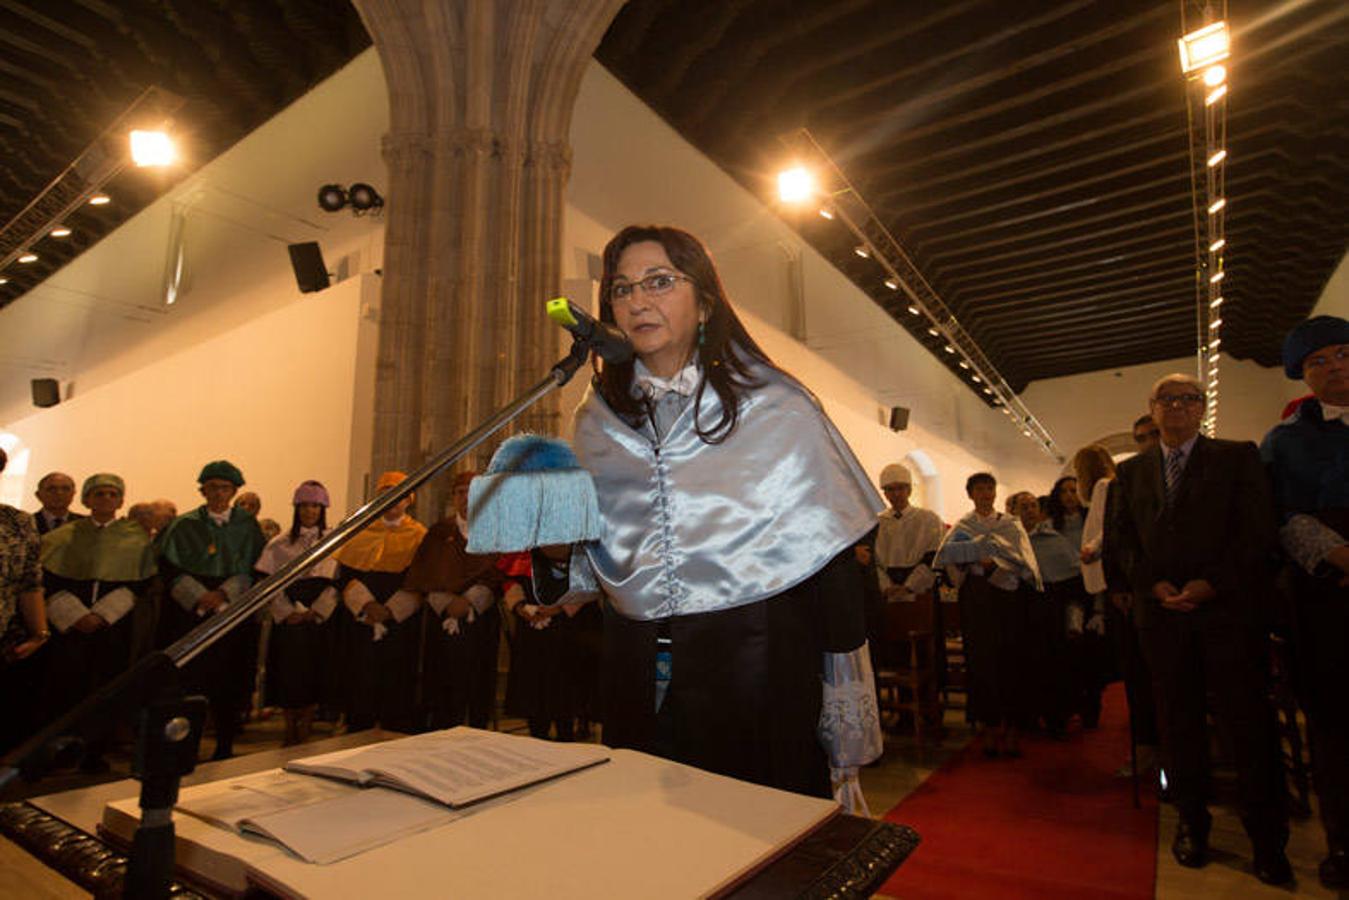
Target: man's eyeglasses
(652, 285)
(1175, 401)
(1321, 360)
(1142, 437)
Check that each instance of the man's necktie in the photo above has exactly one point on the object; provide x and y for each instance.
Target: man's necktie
(1174, 466)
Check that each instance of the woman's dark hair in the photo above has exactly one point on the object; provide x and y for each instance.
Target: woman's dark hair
(4, 459)
(979, 478)
(1056, 508)
(725, 353)
(295, 523)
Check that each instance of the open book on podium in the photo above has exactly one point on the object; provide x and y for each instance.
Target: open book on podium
(637, 825)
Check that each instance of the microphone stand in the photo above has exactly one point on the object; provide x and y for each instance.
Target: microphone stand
(169, 723)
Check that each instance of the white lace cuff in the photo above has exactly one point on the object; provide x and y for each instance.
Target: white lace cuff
(438, 600)
(1308, 540)
(325, 604)
(582, 585)
(64, 609)
(187, 591)
(281, 607)
(403, 604)
(850, 723)
(113, 605)
(234, 587)
(481, 597)
(356, 595)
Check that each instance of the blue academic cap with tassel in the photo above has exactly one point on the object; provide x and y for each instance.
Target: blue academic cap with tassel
(533, 494)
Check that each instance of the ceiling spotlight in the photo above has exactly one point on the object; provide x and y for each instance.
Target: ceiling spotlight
(1213, 344)
(826, 213)
(988, 391)
(1217, 158)
(332, 197)
(976, 379)
(28, 258)
(1217, 205)
(4, 281)
(934, 332)
(1217, 245)
(1215, 95)
(364, 198)
(1215, 302)
(892, 284)
(964, 365)
(1204, 47)
(152, 148)
(60, 231)
(862, 250)
(949, 349)
(795, 185)
(913, 310)
(1214, 76)
(1216, 277)
(99, 200)
(1215, 324)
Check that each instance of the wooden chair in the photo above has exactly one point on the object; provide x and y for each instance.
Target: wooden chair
(956, 681)
(908, 681)
(1291, 754)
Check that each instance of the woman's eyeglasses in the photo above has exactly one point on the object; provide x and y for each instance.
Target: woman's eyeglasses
(651, 285)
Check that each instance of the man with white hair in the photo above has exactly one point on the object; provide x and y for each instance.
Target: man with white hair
(1191, 533)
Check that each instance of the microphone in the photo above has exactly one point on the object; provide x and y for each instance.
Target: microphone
(611, 344)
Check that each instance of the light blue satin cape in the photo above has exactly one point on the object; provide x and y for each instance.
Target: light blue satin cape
(690, 527)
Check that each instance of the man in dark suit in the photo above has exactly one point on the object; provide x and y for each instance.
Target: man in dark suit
(55, 492)
(1193, 531)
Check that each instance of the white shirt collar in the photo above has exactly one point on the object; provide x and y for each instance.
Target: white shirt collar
(684, 382)
(1330, 412)
(219, 518)
(1184, 448)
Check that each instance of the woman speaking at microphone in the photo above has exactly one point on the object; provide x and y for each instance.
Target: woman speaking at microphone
(735, 634)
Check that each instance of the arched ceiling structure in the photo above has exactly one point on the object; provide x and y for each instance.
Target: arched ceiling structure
(1031, 157)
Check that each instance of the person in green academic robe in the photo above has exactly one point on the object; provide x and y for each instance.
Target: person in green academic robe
(97, 570)
(207, 558)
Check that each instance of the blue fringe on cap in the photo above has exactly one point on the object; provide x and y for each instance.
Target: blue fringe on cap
(533, 494)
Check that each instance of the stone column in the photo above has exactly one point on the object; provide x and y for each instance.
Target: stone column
(480, 99)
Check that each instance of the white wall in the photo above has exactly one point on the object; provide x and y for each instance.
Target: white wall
(135, 367)
(1334, 300)
(102, 316)
(1080, 409)
(277, 396)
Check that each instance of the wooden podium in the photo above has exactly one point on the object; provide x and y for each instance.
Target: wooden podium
(705, 831)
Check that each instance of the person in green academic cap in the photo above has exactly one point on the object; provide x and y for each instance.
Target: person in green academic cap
(97, 571)
(207, 558)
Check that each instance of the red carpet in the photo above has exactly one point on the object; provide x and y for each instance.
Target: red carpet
(1055, 823)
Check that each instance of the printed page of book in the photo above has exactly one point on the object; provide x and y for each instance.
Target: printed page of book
(320, 821)
(456, 766)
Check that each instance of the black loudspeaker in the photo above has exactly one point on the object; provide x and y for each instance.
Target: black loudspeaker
(899, 418)
(307, 261)
(46, 392)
